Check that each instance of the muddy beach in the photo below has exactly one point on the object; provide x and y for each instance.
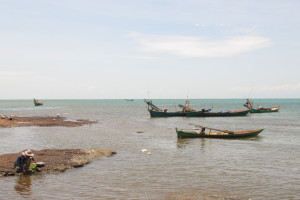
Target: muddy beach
(56, 160)
(16, 121)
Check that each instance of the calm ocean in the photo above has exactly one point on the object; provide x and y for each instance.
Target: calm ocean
(263, 167)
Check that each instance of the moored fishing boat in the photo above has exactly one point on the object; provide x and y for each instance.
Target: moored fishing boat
(154, 113)
(201, 133)
(157, 112)
(37, 103)
(204, 113)
(249, 104)
(265, 110)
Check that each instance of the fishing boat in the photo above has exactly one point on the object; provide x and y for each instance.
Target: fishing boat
(260, 109)
(226, 113)
(157, 112)
(37, 103)
(200, 132)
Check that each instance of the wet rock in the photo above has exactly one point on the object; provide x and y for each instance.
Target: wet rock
(42, 121)
(56, 160)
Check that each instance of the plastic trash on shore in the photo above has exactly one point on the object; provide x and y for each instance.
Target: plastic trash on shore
(40, 164)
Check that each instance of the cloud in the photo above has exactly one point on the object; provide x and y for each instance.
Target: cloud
(14, 75)
(139, 57)
(270, 88)
(188, 46)
(91, 88)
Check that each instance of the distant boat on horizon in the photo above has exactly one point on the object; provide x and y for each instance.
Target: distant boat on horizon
(129, 99)
(37, 103)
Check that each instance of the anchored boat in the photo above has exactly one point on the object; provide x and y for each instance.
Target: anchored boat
(249, 104)
(37, 103)
(157, 112)
(200, 132)
(204, 113)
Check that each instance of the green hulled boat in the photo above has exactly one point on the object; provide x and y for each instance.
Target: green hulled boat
(249, 104)
(265, 110)
(37, 103)
(157, 112)
(201, 133)
(154, 113)
(204, 113)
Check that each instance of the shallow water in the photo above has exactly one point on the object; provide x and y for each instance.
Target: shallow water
(263, 167)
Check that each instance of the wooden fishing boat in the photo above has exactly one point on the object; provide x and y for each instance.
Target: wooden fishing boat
(265, 110)
(204, 113)
(249, 104)
(154, 113)
(157, 112)
(37, 103)
(201, 133)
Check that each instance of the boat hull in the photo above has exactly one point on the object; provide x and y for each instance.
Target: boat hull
(37, 103)
(217, 114)
(266, 110)
(154, 113)
(194, 134)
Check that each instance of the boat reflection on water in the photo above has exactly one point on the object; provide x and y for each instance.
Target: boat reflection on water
(184, 142)
(23, 185)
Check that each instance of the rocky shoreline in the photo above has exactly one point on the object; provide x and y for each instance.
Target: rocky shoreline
(16, 121)
(56, 160)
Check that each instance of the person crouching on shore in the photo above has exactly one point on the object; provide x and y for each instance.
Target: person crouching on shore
(23, 161)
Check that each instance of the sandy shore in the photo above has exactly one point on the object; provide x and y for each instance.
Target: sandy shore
(42, 121)
(56, 160)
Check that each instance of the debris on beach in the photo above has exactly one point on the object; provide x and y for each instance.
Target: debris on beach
(146, 151)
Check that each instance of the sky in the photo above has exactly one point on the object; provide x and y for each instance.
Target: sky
(157, 49)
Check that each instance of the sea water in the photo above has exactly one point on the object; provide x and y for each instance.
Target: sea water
(262, 167)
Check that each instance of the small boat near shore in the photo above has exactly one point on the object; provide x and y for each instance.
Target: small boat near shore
(200, 132)
(37, 103)
(260, 109)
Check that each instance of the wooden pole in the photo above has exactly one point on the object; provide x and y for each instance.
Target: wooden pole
(225, 131)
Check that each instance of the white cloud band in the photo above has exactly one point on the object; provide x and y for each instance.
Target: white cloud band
(187, 46)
